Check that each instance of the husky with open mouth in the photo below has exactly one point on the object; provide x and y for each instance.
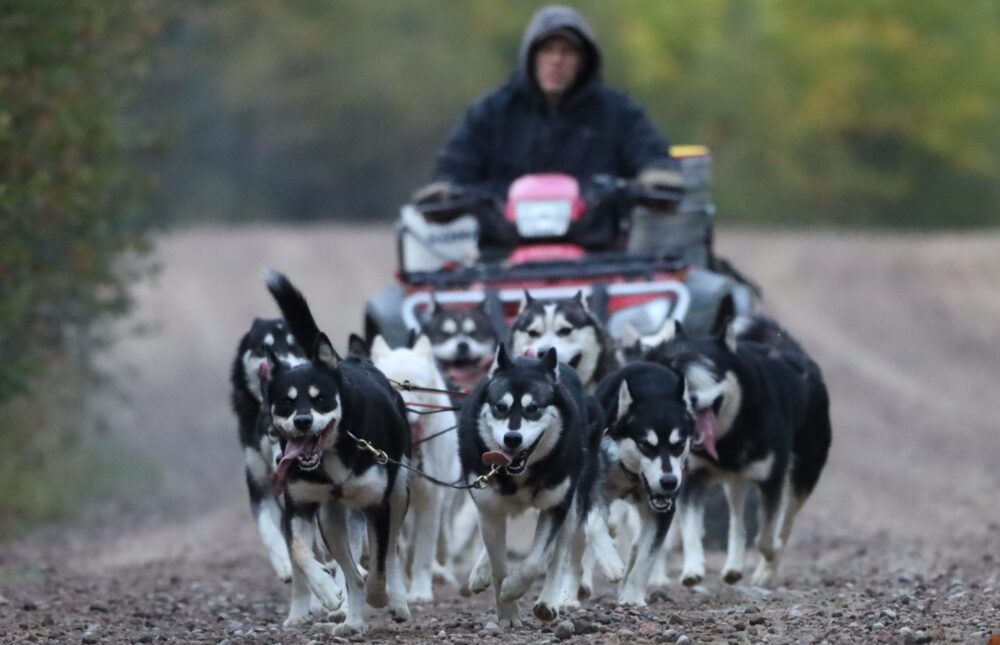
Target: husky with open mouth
(260, 448)
(762, 417)
(325, 413)
(531, 420)
(464, 342)
(569, 327)
(645, 450)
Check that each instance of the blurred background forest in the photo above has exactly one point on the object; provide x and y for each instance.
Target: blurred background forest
(121, 117)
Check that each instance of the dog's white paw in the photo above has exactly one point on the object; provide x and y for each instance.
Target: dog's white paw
(375, 594)
(514, 586)
(480, 578)
(631, 597)
(611, 565)
(349, 628)
(339, 616)
(507, 615)
(732, 576)
(282, 567)
(544, 611)
(443, 575)
(296, 619)
(568, 604)
(690, 578)
(327, 595)
(421, 590)
(400, 613)
(765, 574)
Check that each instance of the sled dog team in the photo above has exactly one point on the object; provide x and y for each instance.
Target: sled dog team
(353, 458)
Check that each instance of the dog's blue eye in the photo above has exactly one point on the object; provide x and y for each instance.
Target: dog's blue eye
(565, 331)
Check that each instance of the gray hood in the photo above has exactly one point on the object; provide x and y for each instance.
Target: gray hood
(554, 18)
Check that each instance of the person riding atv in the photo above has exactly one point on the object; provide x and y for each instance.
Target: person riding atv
(556, 183)
(554, 115)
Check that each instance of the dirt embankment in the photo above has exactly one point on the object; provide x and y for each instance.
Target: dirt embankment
(903, 532)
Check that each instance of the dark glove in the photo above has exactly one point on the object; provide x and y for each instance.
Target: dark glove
(434, 192)
(660, 179)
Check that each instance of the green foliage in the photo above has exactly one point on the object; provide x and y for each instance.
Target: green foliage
(67, 222)
(829, 112)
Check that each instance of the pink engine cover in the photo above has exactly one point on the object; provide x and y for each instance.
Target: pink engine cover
(543, 187)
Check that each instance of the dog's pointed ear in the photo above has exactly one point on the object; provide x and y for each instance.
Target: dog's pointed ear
(379, 348)
(357, 346)
(501, 361)
(550, 361)
(525, 301)
(724, 316)
(435, 306)
(578, 298)
(727, 336)
(270, 366)
(411, 339)
(422, 346)
(630, 335)
(624, 400)
(325, 353)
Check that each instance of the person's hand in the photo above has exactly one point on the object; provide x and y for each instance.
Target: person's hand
(434, 192)
(660, 179)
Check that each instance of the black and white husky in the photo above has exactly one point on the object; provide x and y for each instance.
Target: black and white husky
(762, 418)
(569, 327)
(320, 410)
(464, 342)
(260, 448)
(531, 417)
(645, 450)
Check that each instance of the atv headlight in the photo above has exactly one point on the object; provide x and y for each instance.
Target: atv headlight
(647, 318)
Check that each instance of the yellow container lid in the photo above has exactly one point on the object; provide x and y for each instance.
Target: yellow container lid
(689, 151)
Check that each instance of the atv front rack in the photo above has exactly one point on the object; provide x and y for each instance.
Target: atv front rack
(674, 290)
(595, 266)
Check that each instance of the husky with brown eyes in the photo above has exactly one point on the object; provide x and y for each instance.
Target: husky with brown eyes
(321, 411)
(569, 327)
(531, 428)
(645, 452)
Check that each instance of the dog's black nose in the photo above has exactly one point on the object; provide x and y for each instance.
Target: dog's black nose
(512, 439)
(303, 422)
(542, 351)
(462, 348)
(668, 481)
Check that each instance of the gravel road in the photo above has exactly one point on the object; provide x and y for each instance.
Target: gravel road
(899, 543)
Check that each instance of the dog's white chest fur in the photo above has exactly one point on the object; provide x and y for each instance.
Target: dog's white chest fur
(362, 490)
(524, 498)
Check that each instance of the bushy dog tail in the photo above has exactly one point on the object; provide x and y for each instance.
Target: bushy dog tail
(294, 309)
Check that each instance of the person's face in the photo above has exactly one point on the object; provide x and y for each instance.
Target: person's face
(557, 63)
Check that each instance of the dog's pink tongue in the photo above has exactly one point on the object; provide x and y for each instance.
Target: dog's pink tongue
(495, 458)
(704, 424)
(292, 451)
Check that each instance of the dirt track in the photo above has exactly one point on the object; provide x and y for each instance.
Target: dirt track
(903, 532)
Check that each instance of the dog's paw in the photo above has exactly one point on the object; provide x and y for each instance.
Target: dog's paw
(630, 597)
(765, 574)
(400, 613)
(611, 565)
(338, 616)
(443, 575)
(283, 568)
(692, 578)
(585, 591)
(480, 578)
(296, 619)
(732, 576)
(514, 586)
(507, 615)
(423, 595)
(349, 629)
(543, 611)
(375, 594)
(568, 605)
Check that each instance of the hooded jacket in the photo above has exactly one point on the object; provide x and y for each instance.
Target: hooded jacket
(512, 131)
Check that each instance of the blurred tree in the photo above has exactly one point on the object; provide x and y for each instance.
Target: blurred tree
(67, 222)
(829, 112)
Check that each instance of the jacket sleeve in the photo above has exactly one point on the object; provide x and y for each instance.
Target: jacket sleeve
(465, 160)
(642, 145)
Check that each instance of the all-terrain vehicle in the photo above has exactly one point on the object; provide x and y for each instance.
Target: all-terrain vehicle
(661, 267)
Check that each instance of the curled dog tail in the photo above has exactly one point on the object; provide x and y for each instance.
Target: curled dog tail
(294, 309)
